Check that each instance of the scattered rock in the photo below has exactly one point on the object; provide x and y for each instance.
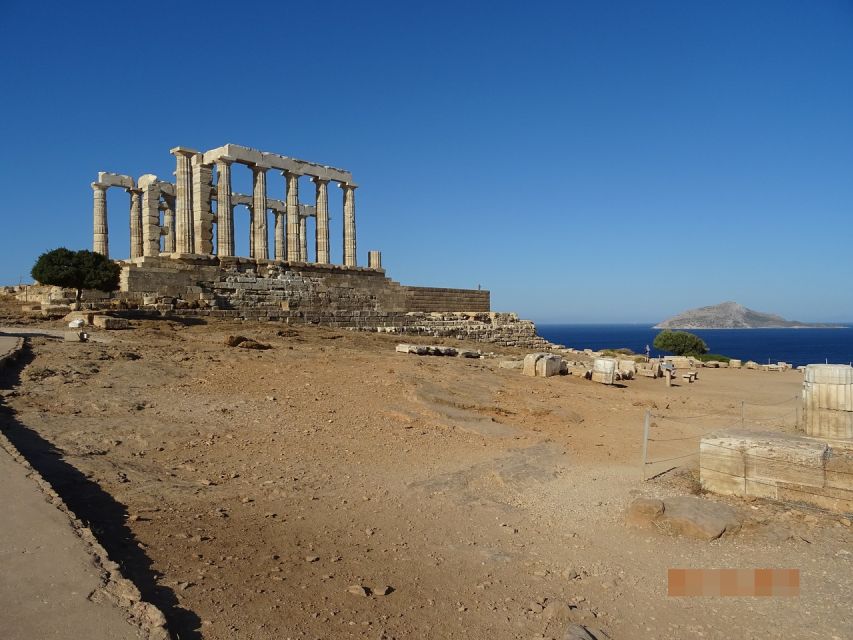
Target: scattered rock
(382, 591)
(253, 344)
(312, 558)
(358, 590)
(685, 515)
(580, 632)
(233, 341)
(643, 510)
(698, 518)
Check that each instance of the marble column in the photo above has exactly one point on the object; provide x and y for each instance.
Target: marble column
(349, 224)
(292, 216)
(251, 209)
(202, 213)
(224, 208)
(101, 238)
(135, 223)
(280, 239)
(151, 231)
(303, 238)
(183, 200)
(169, 224)
(259, 213)
(321, 230)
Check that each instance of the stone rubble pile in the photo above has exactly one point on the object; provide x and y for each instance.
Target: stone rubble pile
(437, 350)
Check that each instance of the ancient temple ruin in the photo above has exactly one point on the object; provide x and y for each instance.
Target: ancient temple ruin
(178, 218)
(182, 255)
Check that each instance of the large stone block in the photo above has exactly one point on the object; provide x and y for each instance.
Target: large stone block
(826, 423)
(529, 366)
(839, 468)
(779, 467)
(548, 366)
(822, 395)
(604, 370)
(829, 374)
(783, 459)
(108, 322)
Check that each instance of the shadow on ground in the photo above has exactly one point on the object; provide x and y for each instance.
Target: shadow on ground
(94, 507)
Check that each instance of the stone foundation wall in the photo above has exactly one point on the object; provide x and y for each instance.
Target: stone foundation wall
(240, 283)
(297, 293)
(434, 299)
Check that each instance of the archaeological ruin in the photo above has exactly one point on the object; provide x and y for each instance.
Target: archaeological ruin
(182, 254)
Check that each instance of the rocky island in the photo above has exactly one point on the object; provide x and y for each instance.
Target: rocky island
(731, 315)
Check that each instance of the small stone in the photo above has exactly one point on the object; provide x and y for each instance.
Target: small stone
(358, 590)
(312, 558)
(382, 591)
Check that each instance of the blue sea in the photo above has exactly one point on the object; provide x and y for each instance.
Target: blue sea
(796, 346)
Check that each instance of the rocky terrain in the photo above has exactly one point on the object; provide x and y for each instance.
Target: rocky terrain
(328, 487)
(731, 315)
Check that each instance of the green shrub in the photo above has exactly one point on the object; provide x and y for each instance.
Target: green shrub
(706, 357)
(680, 343)
(76, 270)
(613, 353)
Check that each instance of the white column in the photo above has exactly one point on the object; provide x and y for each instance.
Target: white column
(259, 212)
(303, 238)
(321, 229)
(251, 230)
(101, 238)
(169, 224)
(202, 213)
(280, 241)
(349, 224)
(151, 231)
(292, 216)
(184, 198)
(224, 209)
(135, 223)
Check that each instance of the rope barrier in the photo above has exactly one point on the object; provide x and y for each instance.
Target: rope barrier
(697, 435)
(695, 453)
(770, 404)
(701, 415)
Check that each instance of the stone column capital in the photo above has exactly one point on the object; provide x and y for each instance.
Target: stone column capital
(260, 168)
(100, 185)
(225, 160)
(183, 151)
(347, 185)
(319, 180)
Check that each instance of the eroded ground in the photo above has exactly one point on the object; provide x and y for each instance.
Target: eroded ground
(246, 491)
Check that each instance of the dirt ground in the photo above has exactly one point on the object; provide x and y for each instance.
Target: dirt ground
(247, 492)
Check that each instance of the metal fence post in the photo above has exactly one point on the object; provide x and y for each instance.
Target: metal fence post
(646, 424)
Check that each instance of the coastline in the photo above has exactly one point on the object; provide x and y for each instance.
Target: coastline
(659, 328)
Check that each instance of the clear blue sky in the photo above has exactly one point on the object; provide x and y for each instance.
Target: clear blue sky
(586, 161)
